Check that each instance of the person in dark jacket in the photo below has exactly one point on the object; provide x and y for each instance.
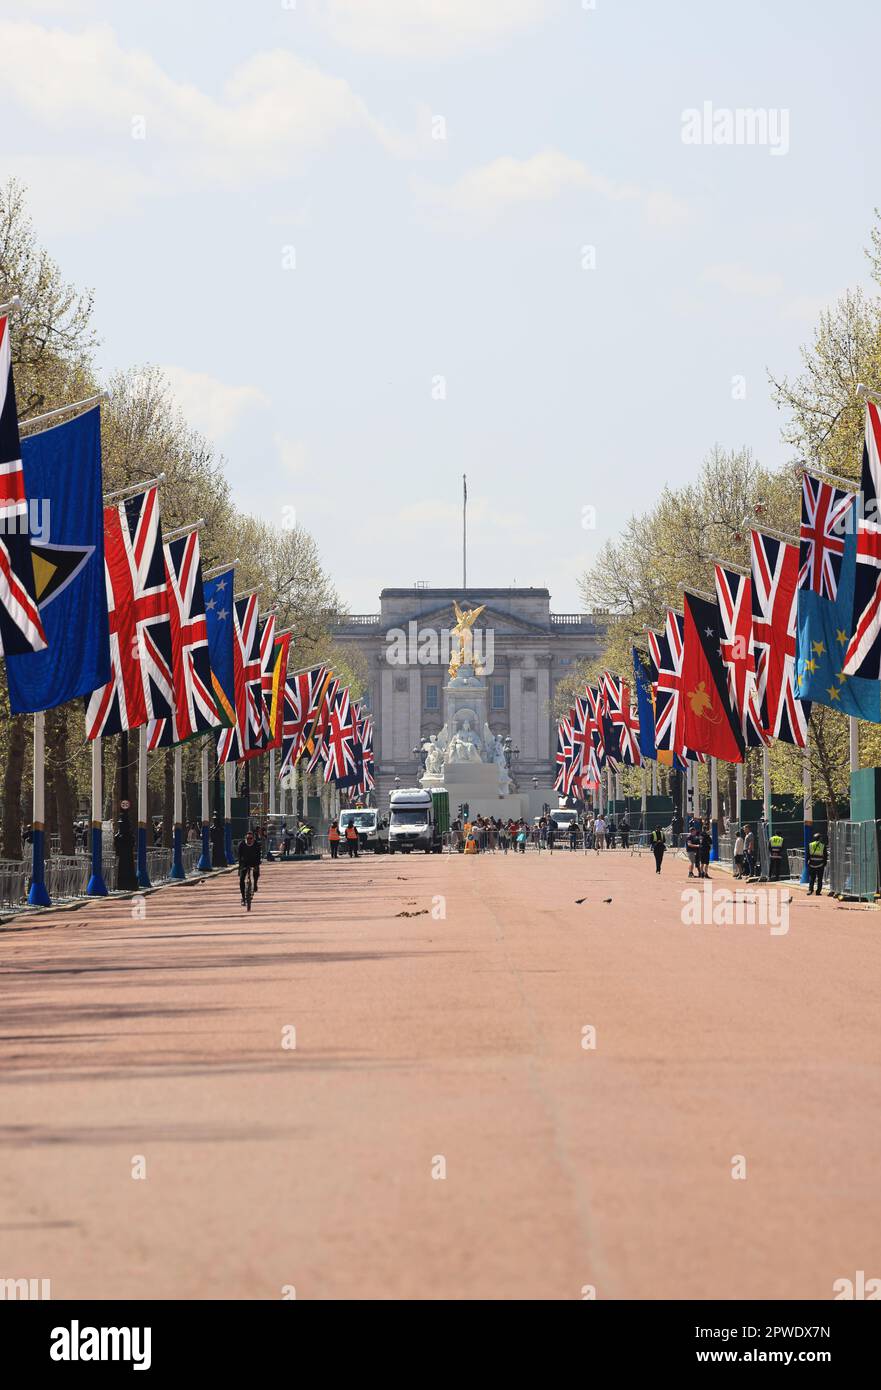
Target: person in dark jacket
(693, 849)
(659, 846)
(706, 846)
(249, 858)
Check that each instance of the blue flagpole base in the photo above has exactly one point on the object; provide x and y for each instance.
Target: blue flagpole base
(96, 887)
(177, 861)
(204, 862)
(143, 874)
(227, 842)
(38, 893)
(714, 841)
(809, 835)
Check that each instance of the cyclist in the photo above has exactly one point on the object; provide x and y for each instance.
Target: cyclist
(249, 858)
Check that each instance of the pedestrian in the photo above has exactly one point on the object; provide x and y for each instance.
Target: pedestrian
(693, 849)
(817, 856)
(738, 853)
(658, 847)
(599, 833)
(333, 839)
(573, 835)
(775, 856)
(551, 835)
(749, 853)
(706, 847)
(522, 837)
(352, 840)
(624, 829)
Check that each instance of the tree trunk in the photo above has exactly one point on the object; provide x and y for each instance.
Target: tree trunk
(57, 758)
(12, 779)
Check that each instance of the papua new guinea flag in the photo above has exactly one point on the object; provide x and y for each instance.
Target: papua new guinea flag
(63, 467)
(706, 721)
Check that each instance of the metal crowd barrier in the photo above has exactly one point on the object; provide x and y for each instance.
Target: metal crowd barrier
(67, 875)
(852, 870)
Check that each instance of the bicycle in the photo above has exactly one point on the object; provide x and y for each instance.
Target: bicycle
(248, 887)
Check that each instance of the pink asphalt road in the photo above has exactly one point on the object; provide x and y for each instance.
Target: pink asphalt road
(440, 1130)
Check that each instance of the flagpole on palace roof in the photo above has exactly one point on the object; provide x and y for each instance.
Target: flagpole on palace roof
(62, 410)
(219, 569)
(464, 532)
(133, 488)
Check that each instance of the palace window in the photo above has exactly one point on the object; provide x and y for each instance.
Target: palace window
(498, 695)
(432, 695)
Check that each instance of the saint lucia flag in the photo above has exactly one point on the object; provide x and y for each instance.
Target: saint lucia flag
(63, 468)
(825, 626)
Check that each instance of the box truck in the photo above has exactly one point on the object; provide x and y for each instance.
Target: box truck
(418, 819)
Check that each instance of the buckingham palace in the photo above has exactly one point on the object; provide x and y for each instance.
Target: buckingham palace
(524, 651)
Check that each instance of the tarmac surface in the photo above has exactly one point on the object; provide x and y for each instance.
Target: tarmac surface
(447, 1125)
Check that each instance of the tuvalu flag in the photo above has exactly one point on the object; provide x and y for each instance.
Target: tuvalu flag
(705, 722)
(645, 706)
(825, 629)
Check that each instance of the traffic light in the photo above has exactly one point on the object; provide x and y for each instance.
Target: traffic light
(466, 813)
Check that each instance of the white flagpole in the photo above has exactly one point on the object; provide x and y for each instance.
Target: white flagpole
(228, 774)
(809, 807)
(38, 894)
(143, 870)
(714, 807)
(204, 863)
(854, 742)
(177, 860)
(272, 782)
(654, 776)
(97, 888)
(766, 785)
(738, 793)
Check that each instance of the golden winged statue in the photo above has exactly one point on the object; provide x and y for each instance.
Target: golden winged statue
(465, 620)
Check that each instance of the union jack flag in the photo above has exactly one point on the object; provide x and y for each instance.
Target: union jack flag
(863, 655)
(594, 697)
(21, 629)
(582, 736)
(666, 651)
(774, 603)
(734, 596)
(365, 735)
(195, 704)
(340, 737)
(141, 685)
(623, 719)
(251, 726)
(261, 737)
(824, 513)
(304, 697)
(563, 759)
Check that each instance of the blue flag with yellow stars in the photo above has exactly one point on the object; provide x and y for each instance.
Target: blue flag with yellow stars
(824, 630)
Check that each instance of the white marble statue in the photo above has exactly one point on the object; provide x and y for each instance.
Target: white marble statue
(434, 757)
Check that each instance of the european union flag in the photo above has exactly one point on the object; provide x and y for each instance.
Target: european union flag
(63, 470)
(824, 629)
(219, 620)
(644, 708)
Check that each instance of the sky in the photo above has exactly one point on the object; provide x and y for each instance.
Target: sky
(377, 244)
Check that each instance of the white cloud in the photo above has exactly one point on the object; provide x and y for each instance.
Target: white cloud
(430, 28)
(275, 111)
(741, 280)
(492, 189)
(293, 454)
(213, 407)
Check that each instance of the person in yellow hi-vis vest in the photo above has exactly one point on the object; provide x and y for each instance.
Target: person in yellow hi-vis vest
(816, 864)
(775, 853)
